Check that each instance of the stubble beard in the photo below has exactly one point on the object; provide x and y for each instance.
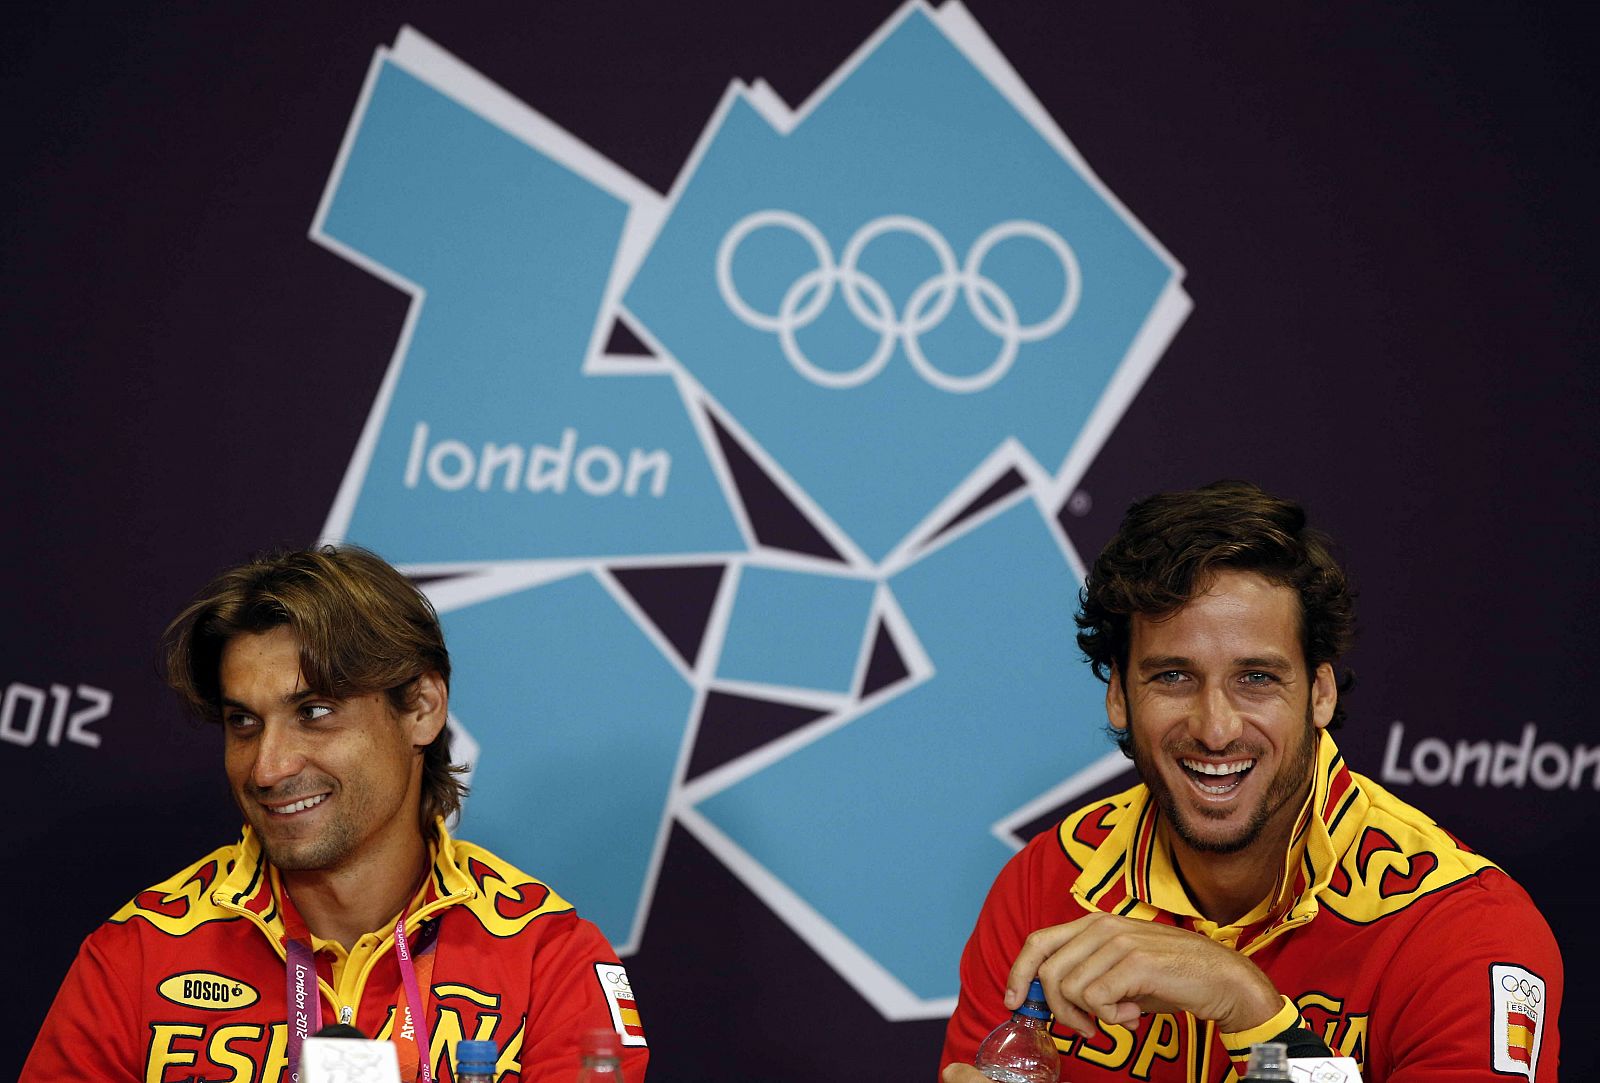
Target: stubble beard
(326, 850)
(1291, 779)
(331, 845)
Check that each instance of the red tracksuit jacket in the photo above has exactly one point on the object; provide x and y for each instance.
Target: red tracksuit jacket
(187, 981)
(1400, 947)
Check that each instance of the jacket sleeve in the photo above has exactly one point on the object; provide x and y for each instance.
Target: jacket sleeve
(578, 985)
(1473, 992)
(1003, 924)
(91, 1033)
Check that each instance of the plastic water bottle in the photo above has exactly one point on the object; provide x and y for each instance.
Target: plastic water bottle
(1269, 1062)
(1020, 1050)
(602, 1057)
(475, 1061)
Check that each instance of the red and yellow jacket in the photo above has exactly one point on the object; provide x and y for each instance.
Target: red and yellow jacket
(187, 981)
(1389, 939)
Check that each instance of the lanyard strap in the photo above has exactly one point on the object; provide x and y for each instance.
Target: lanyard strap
(305, 999)
(304, 1002)
(412, 1033)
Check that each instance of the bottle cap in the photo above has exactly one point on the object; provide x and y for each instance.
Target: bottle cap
(1034, 1006)
(601, 1042)
(477, 1057)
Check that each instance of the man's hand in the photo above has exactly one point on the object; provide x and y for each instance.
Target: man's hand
(1114, 968)
(962, 1073)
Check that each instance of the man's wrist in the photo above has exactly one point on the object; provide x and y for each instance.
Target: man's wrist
(1284, 1018)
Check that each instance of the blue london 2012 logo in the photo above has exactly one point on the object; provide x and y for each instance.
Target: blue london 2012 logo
(889, 298)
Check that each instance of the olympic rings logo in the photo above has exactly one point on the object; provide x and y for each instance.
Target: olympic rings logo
(1529, 992)
(925, 309)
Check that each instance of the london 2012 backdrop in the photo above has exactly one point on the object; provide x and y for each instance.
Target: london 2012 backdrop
(748, 386)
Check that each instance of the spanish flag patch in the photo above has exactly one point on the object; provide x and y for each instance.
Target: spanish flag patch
(1518, 1010)
(619, 998)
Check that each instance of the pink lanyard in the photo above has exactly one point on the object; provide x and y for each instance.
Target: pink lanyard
(305, 999)
(415, 1021)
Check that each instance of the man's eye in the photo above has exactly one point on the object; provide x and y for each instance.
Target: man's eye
(313, 711)
(1171, 676)
(1259, 678)
(239, 723)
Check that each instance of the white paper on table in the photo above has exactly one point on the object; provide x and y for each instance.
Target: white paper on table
(348, 1060)
(1323, 1070)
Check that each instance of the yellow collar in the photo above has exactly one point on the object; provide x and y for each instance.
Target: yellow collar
(252, 884)
(1132, 872)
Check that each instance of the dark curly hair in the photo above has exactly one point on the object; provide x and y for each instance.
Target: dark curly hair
(1169, 544)
(362, 626)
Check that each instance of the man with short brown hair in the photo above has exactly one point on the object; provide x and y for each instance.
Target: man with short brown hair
(1251, 887)
(346, 899)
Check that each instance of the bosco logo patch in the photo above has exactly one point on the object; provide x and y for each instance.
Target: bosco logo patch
(203, 989)
(1518, 1008)
(619, 998)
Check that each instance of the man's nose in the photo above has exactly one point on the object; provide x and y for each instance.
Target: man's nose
(1215, 722)
(279, 756)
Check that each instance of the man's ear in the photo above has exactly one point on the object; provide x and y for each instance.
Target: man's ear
(1324, 695)
(1116, 701)
(430, 706)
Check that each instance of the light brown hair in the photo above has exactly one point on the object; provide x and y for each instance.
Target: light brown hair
(362, 627)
